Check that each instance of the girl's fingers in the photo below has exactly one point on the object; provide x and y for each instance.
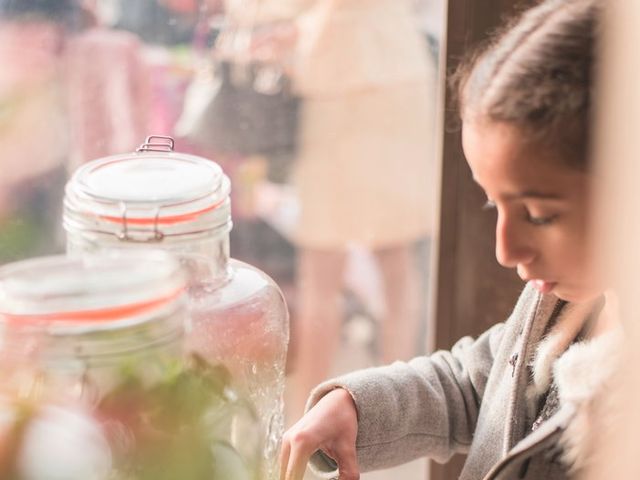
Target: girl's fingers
(284, 458)
(296, 457)
(297, 463)
(331, 425)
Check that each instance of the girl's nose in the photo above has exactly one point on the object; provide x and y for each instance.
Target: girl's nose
(513, 245)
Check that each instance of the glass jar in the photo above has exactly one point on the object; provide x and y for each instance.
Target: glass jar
(95, 383)
(157, 197)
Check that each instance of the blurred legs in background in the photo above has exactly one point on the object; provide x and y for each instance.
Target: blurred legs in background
(321, 312)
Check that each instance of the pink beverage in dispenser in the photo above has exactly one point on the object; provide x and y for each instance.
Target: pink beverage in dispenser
(158, 198)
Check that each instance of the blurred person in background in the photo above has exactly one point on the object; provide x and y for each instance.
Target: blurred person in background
(108, 90)
(362, 170)
(363, 174)
(72, 91)
(613, 436)
(34, 138)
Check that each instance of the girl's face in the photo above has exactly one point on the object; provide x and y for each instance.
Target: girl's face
(542, 207)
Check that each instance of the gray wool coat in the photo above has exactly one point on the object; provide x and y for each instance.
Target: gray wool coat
(468, 400)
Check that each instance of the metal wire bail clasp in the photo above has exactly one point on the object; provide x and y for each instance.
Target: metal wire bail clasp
(125, 234)
(151, 144)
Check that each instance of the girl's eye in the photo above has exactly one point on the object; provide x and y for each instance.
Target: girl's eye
(541, 220)
(534, 220)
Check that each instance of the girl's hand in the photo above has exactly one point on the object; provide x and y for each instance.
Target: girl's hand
(331, 426)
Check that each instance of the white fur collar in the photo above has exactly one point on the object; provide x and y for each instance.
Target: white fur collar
(580, 371)
(583, 369)
(582, 375)
(567, 327)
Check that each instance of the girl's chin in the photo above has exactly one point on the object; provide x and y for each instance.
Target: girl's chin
(575, 295)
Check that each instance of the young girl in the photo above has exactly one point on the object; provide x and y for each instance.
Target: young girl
(517, 399)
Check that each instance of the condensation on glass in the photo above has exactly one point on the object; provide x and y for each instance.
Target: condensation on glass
(156, 197)
(93, 371)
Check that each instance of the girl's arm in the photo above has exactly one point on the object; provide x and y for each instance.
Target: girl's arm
(380, 417)
(428, 406)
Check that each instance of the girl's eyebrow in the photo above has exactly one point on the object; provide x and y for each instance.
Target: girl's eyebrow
(533, 194)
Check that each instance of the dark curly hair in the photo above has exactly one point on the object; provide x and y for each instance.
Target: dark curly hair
(537, 75)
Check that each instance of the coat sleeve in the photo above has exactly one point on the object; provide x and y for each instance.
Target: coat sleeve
(425, 407)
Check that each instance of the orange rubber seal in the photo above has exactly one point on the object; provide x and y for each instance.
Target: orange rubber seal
(161, 220)
(94, 316)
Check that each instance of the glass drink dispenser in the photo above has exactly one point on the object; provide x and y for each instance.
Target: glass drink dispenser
(95, 383)
(159, 198)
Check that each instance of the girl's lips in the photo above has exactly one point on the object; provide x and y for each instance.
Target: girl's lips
(542, 286)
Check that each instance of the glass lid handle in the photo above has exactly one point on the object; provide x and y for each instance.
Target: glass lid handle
(157, 143)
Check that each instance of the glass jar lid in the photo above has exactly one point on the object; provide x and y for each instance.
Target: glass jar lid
(147, 195)
(118, 291)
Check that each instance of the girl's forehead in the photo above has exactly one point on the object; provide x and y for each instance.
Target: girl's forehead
(505, 164)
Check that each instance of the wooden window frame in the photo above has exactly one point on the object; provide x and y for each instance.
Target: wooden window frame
(472, 291)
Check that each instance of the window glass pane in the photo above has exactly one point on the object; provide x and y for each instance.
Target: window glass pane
(322, 112)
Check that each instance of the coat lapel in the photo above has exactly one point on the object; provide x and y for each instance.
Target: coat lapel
(519, 412)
